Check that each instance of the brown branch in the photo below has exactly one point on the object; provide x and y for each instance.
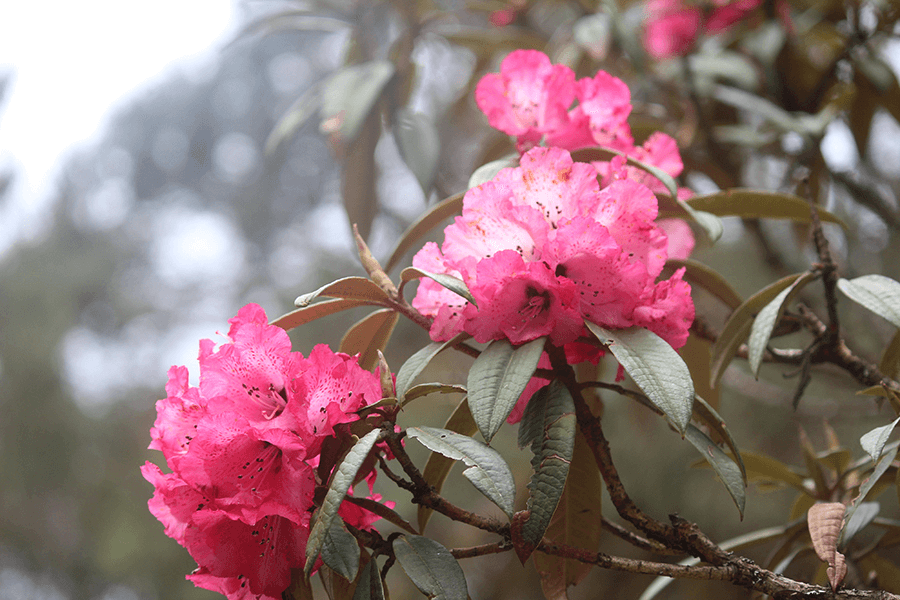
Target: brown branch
(482, 550)
(636, 540)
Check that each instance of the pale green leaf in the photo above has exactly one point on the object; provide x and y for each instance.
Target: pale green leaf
(727, 470)
(340, 551)
(353, 288)
(709, 417)
(487, 172)
(416, 363)
(655, 367)
(302, 316)
(874, 441)
(350, 95)
(431, 567)
(496, 380)
(858, 521)
(880, 469)
(419, 145)
(426, 389)
(454, 284)
(768, 318)
(878, 293)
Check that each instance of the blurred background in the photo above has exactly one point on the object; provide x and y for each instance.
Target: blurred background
(162, 164)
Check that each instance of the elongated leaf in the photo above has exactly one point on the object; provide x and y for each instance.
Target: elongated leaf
(432, 218)
(825, 521)
(294, 118)
(874, 441)
(426, 389)
(487, 172)
(709, 417)
(438, 466)
(864, 515)
(738, 325)
(655, 367)
(382, 511)
(359, 173)
(336, 587)
(696, 273)
(431, 567)
(340, 482)
(487, 470)
(369, 586)
(890, 360)
(765, 468)
(768, 317)
(879, 470)
(340, 550)
(302, 316)
(350, 95)
(370, 335)
(419, 145)
(727, 469)
(576, 523)
(548, 425)
(497, 379)
(697, 355)
(418, 361)
(454, 284)
(356, 288)
(757, 204)
(878, 293)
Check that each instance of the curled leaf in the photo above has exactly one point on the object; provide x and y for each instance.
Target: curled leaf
(825, 520)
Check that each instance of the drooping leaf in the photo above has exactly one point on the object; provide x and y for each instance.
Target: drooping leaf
(454, 284)
(435, 215)
(416, 363)
(340, 482)
(709, 417)
(336, 587)
(431, 567)
(548, 426)
(350, 95)
(860, 519)
(487, 172)
(370, 335)
(425, 389)
(340, 551)
(294, 118)
(655, 367)
(738, 325)
(487, 470)
(874, 441)
(878, 293)
(768, 318)
(369, 585)
(889, 364)
(497, 379)
(727, 469)
(765, 468)
(576, 523)
(697, 355)
(302, 316)
(825, 520)
(438, 466)
(382, 511)
(356, 288)
(757, 204)
(698, 274)
(867, 485)
(419, 145)
(359, 174)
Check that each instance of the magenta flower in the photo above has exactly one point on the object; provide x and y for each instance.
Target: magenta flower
(673, 26)
(243, 448)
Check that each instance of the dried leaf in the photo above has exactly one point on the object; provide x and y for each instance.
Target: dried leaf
(825, 520)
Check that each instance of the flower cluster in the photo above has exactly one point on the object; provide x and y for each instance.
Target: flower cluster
(243, 449)
(673, 25)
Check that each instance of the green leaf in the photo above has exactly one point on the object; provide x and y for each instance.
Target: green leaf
(441, 211)
(431, 567)
(765, 468)
(709, 417)
(768, 317)
(369, 586)
(359, 173)
(487, 172)
(340, 550)
(302, 316)
(454, 284)
(438, 466)
(864, 515)
(382, 511)
(340, 482)
(416, 363)
(758, 204)
(696, 273)
(497, 379)
(548, 425)
(727, 469)
(294, 118)
(874, 441)
(577, 522)
(738, 325)
(655, 367)
(419, 145)
(878, 293)
(426, 389)
(350, 95)
(355, 288)
(487, 470)
(370, 335)
(799, 122)
(880, 469)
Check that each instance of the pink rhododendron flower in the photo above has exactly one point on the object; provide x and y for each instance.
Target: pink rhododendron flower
(541, 248)
(673, 25)
(243, 448)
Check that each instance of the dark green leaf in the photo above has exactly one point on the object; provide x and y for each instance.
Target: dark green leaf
(487, 172)
(454, 284)
(487, 470)
(355, 288)
(301, 316)
(548, 425)
(497, 379)
(382, 511)
(359, 173)
(727, 470)
(340, 482)
(438, 466)
(369, 586)
(435, 215)
(878, 293)
(431, 567)
(768, 318)
(340, 550)
(419, 145)
(425, 389)
(757, 204)
(370, 335)
(696, 273)
(417, 363)
(738, 325)
(655, 367)
(709, 417)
